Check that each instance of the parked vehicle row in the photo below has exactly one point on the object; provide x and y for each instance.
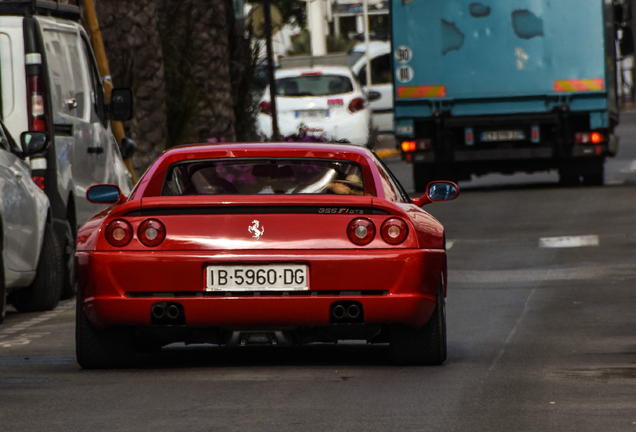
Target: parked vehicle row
(50, 84)
(30, 260)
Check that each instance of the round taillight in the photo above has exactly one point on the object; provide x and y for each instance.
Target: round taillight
(394, 231)
(266, 107)
(119, 233)
(151, 232)
(596, 137)
(361, 231)
(356, 105)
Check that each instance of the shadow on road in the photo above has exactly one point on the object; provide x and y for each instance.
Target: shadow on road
(193, 356)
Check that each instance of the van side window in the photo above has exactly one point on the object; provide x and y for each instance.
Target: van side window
(68, 92)
(4, 141)
(97, 98)
(380, 71)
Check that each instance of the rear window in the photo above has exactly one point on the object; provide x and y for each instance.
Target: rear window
(313, 85)
(264, 176)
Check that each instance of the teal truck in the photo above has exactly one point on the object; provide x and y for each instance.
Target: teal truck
(506, 86)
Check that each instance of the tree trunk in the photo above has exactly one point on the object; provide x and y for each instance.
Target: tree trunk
(133, 46)
(197, 60)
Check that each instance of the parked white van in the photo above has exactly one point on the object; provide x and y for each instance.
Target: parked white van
(49, 82)
(381, 80)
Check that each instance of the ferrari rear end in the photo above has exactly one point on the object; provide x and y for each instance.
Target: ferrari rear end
(261, 268)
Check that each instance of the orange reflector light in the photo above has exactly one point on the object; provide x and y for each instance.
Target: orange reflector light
(409, 146)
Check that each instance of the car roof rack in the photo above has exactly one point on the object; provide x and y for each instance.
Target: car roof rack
(308, 61)
(40, 7)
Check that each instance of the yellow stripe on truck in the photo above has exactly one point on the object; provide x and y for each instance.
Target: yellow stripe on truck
(579, 85)
(421, 92)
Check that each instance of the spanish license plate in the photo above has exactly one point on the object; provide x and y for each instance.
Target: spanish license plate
(272, 277)
(503, 135)
(315, 113)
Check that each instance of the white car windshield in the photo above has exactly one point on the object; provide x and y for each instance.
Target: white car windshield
(313, 85)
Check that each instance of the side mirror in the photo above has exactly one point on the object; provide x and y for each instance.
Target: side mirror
(128, 148)
(438, 191)
(373, 96)
(121, 104)
(105, 194)
(33, 142)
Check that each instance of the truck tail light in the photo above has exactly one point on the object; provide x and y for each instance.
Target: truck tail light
(37, 104)
(394, 231)
(151, 232)
(361, 231)
(408, 146)
(423, 144)
(356, 105)
(589, 138)
(266, 107)
(119, 233)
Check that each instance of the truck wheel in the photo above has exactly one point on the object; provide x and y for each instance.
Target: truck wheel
(108, 349)
(44, 292)
(426, 346)
(69, 285)
(568, 178)
(597, 176)
(423, 174)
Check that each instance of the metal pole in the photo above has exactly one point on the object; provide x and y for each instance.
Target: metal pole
(270, 68)
(365, 13)
(104, 71)
(316, 21)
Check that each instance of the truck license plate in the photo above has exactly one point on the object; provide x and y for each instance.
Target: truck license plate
(273, 277)
(504, 135)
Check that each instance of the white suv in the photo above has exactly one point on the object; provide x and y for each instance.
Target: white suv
(50, 82)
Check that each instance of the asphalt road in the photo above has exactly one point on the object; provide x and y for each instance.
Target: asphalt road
(542, 337)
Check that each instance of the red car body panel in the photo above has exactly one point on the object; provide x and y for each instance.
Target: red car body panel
(393, 283)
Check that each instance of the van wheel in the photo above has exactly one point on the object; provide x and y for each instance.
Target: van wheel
(109, 349)
(426, 346)
(69, 285)
(44, 292)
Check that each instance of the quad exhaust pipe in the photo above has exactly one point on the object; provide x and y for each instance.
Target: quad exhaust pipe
(346, 312)
(167, 313)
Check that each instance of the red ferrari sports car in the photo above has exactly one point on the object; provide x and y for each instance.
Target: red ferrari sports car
(269, 243)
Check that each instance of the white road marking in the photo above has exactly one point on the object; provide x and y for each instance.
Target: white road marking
(630, 169)
(449, 244)
(569, 241)
(25, 338)
(614, 182)
(539, 274)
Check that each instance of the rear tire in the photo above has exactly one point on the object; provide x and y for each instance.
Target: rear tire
(44, 292)
(597, 176)
(109, 349)
(426, 346)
